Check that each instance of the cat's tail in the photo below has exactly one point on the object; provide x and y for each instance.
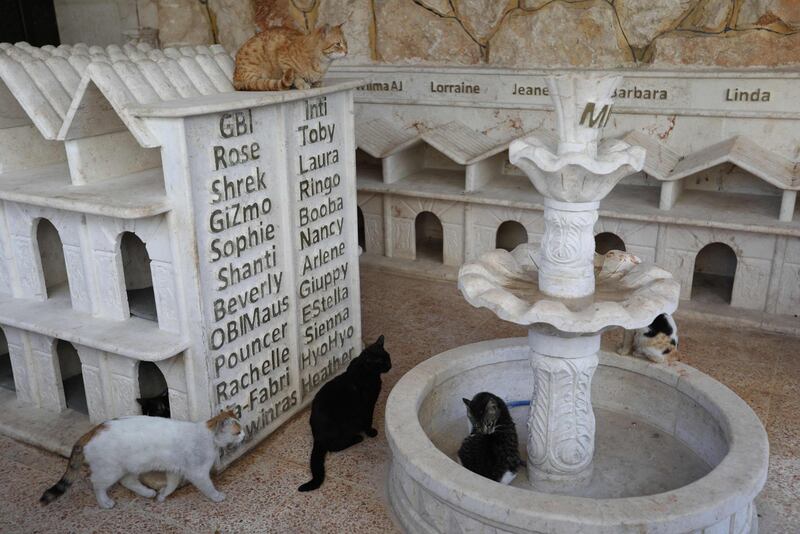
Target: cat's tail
(258, 82)
(70, 475)
(317, 467)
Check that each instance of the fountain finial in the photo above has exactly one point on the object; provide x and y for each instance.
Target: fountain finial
(581, 168)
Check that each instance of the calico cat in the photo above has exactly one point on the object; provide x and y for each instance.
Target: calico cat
(282, 58)
(344, 407)
(122, 449)
(491, 448)
(157, 406)
(657, 342)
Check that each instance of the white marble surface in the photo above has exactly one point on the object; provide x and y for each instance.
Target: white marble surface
(506, 284)
(244, 204)
(431, 492)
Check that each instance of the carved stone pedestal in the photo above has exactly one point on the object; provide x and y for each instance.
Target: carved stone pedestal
(566, 269)
(561, 424)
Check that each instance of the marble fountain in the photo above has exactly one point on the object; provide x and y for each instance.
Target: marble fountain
(612, 443)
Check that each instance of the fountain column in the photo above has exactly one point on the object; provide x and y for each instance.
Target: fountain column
(561, 423)
(572, 177)
(566, 260)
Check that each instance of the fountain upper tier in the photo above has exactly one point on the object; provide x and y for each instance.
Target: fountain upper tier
(581, 168)
(573, 177)
(628, 293)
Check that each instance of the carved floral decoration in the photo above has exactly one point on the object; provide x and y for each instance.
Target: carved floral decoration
(562, 422)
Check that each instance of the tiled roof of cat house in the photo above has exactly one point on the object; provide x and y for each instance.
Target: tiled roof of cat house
(672, 169)
(462, 145)
(379, 138)
(665, 164)
(56, 85)
(473, 156)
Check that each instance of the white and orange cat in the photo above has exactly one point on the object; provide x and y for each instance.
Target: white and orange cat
(121, 449)
(282, 58)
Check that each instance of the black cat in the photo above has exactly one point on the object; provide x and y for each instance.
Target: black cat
(491, 449)
(343, 408)
(157, 406)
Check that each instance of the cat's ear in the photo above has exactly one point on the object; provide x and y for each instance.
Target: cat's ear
(380, 340)
(466, 401)
(324, 29)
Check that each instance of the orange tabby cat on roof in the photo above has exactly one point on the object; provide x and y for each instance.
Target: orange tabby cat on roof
(282, 58)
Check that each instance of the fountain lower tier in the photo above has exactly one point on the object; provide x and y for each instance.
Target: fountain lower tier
(675, 450)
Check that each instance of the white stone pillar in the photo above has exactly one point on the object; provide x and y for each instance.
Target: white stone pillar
(93, 383)
(123, 380)
(21, 362)
(561, 424)
(48, 373)
(566, 261)
(787, 206)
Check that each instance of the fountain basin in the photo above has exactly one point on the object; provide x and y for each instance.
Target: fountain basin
(676, 450)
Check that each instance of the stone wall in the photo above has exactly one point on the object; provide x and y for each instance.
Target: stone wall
(536, 33)
(506, 33)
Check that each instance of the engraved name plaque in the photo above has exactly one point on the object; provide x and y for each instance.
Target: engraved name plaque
(266, 187)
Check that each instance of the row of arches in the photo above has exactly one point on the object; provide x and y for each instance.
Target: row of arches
(152, 382)
(429, 235)
(135, 266)
(714, 266)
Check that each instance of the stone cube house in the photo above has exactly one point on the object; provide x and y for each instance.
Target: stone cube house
(127, 176)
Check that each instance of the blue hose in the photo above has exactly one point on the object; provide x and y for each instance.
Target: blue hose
(517, 403)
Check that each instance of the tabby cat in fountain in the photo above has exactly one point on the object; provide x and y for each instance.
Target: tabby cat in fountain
(122, 449)
(282, 58)
(491, 448)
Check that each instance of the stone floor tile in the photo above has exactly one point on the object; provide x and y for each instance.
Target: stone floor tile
(777, 505)
(252, 499)
(783, 426)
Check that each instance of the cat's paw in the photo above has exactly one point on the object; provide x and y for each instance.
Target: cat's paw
(371, 432)
(106, 502)
(162, 496)
(300, 83)
(217, 497)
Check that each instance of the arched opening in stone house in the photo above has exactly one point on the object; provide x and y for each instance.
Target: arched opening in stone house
(6, 371)
(510, 234)
(153, 392)
(138, 278)
(606, 241)
(69, 363)
(714, 273)
(429, 237)
(51, 255)
(362, 232)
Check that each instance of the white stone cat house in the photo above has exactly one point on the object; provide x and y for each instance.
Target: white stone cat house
(85, 222)
(105, 240)
(734, 196)
(452, 159)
